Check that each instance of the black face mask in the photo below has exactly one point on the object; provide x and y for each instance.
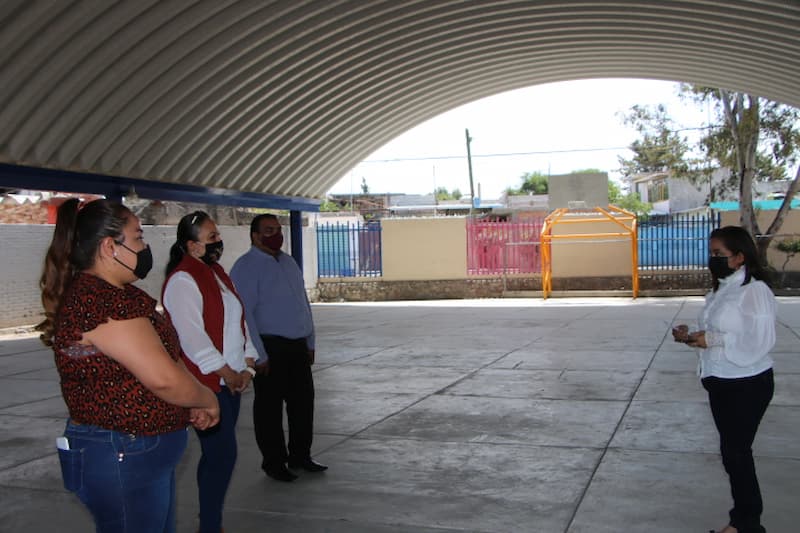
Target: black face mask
(719, 267)
(144, 261)
(213, 252)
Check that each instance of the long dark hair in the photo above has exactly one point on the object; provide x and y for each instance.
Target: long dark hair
(738, 240)
(76, 239)
(188, 230)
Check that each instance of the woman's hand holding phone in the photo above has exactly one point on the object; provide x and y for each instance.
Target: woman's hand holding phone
(681, 333)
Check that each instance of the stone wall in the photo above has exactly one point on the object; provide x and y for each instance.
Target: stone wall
(694, 282)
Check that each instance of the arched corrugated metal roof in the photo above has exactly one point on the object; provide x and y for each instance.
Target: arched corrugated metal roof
(284, 97)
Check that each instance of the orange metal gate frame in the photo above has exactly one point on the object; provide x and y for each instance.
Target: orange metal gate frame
(625, 219)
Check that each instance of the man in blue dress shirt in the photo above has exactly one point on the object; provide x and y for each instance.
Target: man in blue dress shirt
(277, 311)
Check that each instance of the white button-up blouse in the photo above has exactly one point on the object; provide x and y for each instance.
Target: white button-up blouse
(184, 302)
(739, 321)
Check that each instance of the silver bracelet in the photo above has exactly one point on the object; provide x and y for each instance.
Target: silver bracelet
(250, 370)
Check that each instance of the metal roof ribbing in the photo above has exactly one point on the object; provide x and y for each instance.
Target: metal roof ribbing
(284, 97)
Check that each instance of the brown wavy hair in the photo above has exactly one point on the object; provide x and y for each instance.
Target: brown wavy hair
(76, 239)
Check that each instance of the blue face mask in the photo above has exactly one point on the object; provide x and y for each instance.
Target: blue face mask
(144, 261)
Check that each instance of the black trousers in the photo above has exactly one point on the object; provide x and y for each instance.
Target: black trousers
(738, 406)
(289, 381)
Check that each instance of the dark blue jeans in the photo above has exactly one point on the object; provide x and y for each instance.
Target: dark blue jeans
(218, 445)
(738, 406)
(126, 481)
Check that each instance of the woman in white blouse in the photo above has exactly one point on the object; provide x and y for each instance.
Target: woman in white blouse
(736, 334)
(208, 315)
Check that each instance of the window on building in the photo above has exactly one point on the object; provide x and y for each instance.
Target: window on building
(657, 191)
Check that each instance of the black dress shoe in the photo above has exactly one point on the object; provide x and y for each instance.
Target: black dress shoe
(279, 472)
(309, 465)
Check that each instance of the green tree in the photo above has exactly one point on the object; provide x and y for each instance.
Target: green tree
(659, 148)
(588, 171)
(758, 140)
(534, 183)
(755, 138)
(443, 194)
(790, 247)
(531, 183)
(614, 193)
(630, 202)
(328, 206)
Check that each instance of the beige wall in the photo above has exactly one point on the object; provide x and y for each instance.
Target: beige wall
(789, 229)
(424, 248)
(584, 258)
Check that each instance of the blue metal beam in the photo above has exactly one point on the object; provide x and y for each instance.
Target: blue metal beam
(46, 179)
(296, 229)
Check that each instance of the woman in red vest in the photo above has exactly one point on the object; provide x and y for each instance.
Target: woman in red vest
(208, 315)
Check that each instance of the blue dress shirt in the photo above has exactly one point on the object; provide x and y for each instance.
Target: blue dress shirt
(274, 297)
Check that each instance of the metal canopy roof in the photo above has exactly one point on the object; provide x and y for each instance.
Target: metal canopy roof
(284, 97)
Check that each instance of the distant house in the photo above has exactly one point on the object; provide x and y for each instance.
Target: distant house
(669, 194)
(408, 205)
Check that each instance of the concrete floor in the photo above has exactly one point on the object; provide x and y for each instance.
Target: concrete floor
(570, 415)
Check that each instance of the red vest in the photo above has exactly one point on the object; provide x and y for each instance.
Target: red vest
(213, 310)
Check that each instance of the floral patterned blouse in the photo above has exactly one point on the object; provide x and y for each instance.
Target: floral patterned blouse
(97, 389)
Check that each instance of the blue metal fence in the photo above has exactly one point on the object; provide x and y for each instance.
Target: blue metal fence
(666, 242)
(349, 250)
(675, 242)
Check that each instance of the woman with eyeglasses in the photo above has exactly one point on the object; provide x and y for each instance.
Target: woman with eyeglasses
(736, 334)
(207, 312)
(129, 396)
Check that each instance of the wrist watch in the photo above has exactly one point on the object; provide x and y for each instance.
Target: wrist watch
(250, 370)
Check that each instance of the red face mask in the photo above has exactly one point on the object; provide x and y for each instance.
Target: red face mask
(273, 242)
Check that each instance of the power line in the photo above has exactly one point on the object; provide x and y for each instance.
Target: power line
(499, 154)
(517, 154)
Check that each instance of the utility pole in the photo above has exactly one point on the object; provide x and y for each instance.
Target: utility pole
(435, 200)
(469, 164)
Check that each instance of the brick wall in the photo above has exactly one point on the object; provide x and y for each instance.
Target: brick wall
(24, 246)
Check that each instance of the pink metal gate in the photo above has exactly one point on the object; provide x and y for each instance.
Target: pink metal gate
(497, 248)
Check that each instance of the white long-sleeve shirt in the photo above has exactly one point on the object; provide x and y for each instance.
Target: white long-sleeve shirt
(739, 321)
(183, 301)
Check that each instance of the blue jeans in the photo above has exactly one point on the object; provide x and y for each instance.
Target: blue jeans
(215, 468)
(126, 481)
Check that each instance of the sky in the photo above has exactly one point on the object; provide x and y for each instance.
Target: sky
(554, 128)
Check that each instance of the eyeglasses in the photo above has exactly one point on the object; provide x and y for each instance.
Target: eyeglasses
(271, 230)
